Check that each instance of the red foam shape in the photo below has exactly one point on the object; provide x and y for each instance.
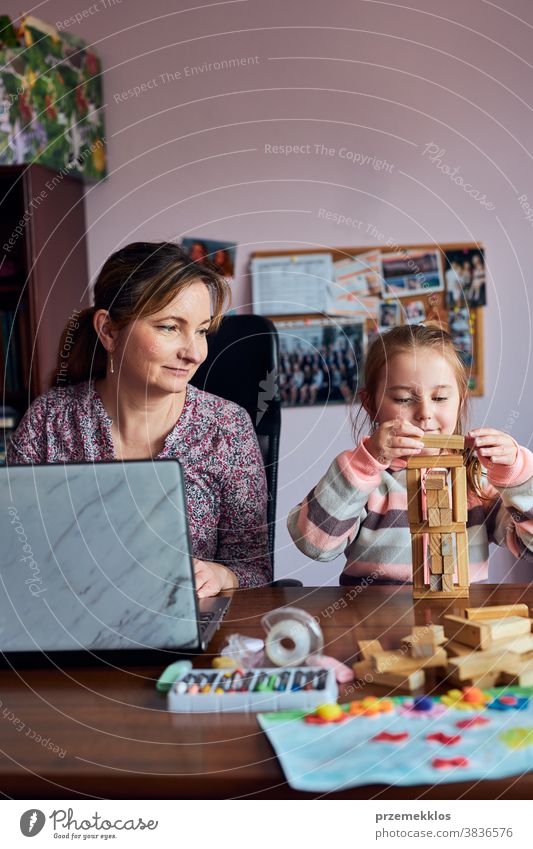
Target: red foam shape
(473, 720)
(387, 737)
(445, 763)
(312, 719)
(508, 700)
(445, 739)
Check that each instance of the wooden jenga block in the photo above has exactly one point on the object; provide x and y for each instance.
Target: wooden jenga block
(452, 461)
(414, 495)
(452, 442)
(455, 649)
(474, 634)
(448, 565)
(446, 545)
(461, 545)
(362, 668)
(368, 647)
(434, 517)
(435, 582)
(509, 626)
(400, 663)
(436, 480)
(497, 611)
(521, 646)
(489, 679)
(443, 498)
(435, 544)
(432, 498)
(363, 672)
(478, 663)
(424, 640)
(518, 672)
(428, 634)
(436, 565)
(481, 634)
(459, 499)
(445, 516)
(417, 554)
(447, 583)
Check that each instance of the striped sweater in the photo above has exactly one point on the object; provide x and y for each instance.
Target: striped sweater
(359, 508)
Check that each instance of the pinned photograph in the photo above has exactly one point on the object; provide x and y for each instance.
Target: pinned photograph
(461, 332)
(388, 314)
(320, 361)
(221, 255)
(411, 272)
(355, 278)
(414, 312)
(465, 278)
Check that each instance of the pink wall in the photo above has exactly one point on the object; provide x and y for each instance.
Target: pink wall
(187, 157)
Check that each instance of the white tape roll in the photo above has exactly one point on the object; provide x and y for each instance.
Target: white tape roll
(297, 638)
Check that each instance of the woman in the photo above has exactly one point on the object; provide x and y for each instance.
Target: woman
(121, 392)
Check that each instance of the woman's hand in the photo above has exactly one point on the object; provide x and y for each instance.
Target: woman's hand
(212, 578)
(493, 446)
(394, 439)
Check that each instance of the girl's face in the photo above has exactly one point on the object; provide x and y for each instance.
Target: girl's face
(420, 387)
(160, 353)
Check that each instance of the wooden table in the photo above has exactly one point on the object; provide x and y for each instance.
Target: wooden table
(120, 741)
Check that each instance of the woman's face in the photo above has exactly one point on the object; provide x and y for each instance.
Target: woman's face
(160, 353)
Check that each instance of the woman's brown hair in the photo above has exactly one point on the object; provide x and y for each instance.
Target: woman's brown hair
(411, 338)
(136, 281)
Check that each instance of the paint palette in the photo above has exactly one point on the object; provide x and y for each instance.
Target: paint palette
(240, 690)
(449, 740)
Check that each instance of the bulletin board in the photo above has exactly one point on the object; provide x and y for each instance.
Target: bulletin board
(404, 300)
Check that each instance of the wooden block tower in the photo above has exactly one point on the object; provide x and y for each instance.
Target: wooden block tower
(445, 523)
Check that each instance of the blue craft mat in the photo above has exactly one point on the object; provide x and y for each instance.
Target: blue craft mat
(325, 758)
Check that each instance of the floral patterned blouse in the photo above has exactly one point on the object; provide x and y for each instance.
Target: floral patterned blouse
(213, 439)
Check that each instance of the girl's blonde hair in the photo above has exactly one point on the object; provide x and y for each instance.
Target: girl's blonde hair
(409, 339)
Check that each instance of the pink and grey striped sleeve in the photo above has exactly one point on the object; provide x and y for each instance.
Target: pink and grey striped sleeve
(329, 517)
(512, 511)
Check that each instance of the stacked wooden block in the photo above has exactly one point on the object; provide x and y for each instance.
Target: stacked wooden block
(490, 646)
(405, 668)
(441, 565)
(444, 520)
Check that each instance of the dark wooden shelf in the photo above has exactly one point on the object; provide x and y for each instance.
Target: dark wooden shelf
(49, 264)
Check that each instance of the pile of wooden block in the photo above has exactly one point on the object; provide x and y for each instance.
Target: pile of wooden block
(484, 647)
(490, 646)
(405, 668)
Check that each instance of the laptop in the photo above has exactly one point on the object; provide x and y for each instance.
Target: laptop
(95, 564)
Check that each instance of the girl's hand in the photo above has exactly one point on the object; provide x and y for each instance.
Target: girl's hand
(394, 439)
(493, 446)
(211, 578)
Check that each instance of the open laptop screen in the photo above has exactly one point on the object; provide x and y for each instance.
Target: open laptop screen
(95, 557)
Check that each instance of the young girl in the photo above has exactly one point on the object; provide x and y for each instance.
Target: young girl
(415, 383)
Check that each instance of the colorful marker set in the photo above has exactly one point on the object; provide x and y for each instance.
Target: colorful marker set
(295, 688)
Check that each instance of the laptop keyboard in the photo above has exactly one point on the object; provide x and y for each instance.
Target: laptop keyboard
(205, 619)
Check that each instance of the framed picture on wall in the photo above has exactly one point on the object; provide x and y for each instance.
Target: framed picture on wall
(320, 360)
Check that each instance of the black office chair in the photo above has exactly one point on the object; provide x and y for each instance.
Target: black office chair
(242, 366)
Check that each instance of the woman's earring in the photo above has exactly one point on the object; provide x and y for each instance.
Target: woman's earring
(111, 366)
